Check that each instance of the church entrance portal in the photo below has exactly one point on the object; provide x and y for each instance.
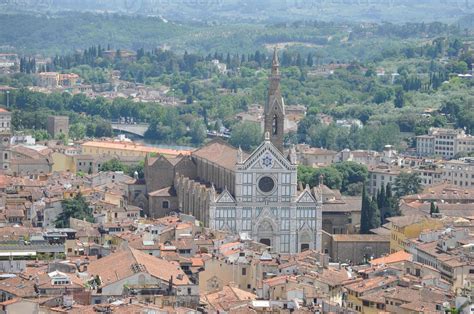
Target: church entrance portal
(267, 242)
(304, 247)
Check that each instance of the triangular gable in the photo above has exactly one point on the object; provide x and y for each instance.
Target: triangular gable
(160, 158)
(280, 104)
(306, 197)
(280, 161)
(225, 197)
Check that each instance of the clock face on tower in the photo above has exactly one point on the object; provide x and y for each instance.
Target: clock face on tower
(266, 184)
(267, 161)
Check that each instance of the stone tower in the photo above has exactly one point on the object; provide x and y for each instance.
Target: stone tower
(5, 137)
(275, 107)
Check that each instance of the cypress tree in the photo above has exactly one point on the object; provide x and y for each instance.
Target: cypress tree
(374, 215)
(388, 192)
(381, 202)
(432, 208)
(309, 60)
(364, 215)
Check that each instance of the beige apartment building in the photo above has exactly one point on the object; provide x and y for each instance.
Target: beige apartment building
(459, 172)
(444, 142)
(381, 176)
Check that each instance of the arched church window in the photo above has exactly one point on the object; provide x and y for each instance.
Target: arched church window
(275, 125)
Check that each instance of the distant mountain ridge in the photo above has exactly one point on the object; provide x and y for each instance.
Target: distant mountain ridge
(395, 11)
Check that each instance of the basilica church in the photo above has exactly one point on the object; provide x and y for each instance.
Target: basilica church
(254, 194)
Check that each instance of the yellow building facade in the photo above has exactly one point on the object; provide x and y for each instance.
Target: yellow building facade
(127, 149)
(409, 227)
(63, 162)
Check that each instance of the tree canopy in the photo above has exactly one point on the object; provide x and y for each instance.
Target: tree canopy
(348, 177)
(247, 135)
(407, 183)
(76, 207)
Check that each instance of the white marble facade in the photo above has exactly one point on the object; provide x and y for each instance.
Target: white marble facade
(267, 205)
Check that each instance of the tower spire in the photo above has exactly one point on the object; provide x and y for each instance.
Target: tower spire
(275, 63)
(275, 107)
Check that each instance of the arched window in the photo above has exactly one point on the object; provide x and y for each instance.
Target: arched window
(275, 125)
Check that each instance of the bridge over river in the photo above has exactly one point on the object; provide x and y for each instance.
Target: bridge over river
(138, 129)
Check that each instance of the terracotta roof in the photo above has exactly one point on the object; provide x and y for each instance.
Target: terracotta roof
(173, 160)
(30, 152)
(228, 297)
(442, 191)
(376, 297)
(371, 284)
(407, 295)
(317, 151)
(135, 147)
(123, 261)
(387, 170)
(14, 213)
(332, 276)
(396, 257)
(220, 153)
(381, 231)
(403, 221)
(18, 286)
(353, 204)
(197, 262)
(165, 192)
(360, 238)
(420, 306)
(279, 280)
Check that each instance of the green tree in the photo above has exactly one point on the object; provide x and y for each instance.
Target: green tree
(76, 207)
(138, 168)
(432, 208)
(198, 132)
(304, 174)
(330, 176)
(391, 205)
(459, 67)
(407, 183)
(365, 213)
(354, 189)
(399, 101)
(370, 213)
(77, 131)
(41, 135)
(352, 174)
(113, 165)
(374, 214)
(247, 135)
(381, 201)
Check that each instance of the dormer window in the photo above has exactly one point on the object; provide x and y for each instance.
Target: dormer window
(60, 281)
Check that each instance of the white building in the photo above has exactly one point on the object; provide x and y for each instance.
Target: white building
(459, 172)
(444, 142)
(381, 176)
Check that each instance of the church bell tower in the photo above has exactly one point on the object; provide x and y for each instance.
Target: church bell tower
(275, 107)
